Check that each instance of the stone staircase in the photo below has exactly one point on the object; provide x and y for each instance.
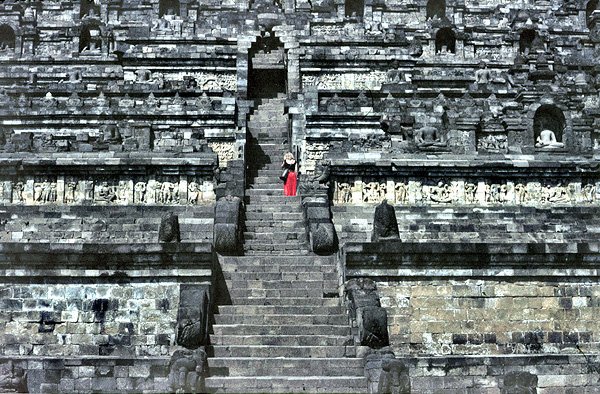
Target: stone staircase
(285, 330)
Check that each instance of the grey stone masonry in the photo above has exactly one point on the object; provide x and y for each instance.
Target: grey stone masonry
(285, 329)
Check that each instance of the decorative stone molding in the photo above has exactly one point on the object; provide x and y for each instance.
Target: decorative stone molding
(226, 151)
(361, 81)
(68, 190)
(465, 192)
(314, 152)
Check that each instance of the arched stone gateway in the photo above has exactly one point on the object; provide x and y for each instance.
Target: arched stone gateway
(267, 67)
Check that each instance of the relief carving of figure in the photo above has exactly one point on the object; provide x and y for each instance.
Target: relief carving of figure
(496, 193)
(157, 192)
(589, 193)
(493, 143)
(559, 194)
(401, 193)
(106, 193)
(207, 191)
(139, 192)
(18, 192)
(70, 189)
(53, 195)
(470, 189)
(44, 192)
(193, 193)
(441, 193)
(169, 193)
(483, 75)
(374, 192)
(520, 193)
(428, 136)
(344, 193)
(547, 140)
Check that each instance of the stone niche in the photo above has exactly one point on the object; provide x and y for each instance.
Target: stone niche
(8, 39)
(549, 128)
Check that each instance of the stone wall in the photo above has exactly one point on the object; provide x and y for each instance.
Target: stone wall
(489, 317)
(87, 319)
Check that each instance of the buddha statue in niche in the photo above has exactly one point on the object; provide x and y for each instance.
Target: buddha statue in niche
(429, 136)
(547, 140)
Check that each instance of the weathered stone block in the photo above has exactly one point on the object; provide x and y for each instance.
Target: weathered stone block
(228, 225)
(372, 327)
(385, 225)
(169, 228)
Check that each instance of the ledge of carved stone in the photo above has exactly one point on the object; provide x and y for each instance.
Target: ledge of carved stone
(459, 165)
(103, 258)
(440, 259)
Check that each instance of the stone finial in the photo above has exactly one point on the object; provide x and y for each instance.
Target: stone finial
(385, 225)
(169, 229)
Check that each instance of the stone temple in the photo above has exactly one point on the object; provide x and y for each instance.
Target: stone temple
(445, 235)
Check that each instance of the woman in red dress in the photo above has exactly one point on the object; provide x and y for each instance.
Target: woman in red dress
(290, 179)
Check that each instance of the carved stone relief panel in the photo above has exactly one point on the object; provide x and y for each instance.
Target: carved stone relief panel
(70, 190)
(314, 152)
(356, 81)
(464, 192)
(226, 151)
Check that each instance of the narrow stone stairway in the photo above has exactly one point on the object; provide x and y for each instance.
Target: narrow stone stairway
(285, 330)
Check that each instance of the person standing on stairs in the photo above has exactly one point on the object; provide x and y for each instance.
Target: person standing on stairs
(289, 177)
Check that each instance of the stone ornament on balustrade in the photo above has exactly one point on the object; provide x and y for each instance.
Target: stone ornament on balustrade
(71, 191)
(465, 192)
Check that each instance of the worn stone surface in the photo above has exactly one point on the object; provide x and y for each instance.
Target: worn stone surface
(228, 231)
(476, 121)
(169, 229)
(385, 225)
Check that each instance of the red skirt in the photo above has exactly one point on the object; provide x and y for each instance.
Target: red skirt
(289, 187)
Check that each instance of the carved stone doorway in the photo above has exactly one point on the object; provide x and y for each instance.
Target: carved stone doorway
(267, 67)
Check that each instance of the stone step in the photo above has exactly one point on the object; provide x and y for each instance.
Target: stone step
(280, 310)
(260, 252)
(255, 191)
(252, 215)
(272, 293)
(290, 236)
(281, 319)
(296, 269)
(253, 276)
(281, 329)
(285, 319)
(282, 208)
(283, 351)
(270, 127)
(261, 366)
(286, 301)
(273, 172)
(273, 199)
(274, 227)
(287, 384)
(304, 284)
(269, 238)
(265, 135)
(278, 263)
(283, 340)
(275, 224)
(279, 249)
